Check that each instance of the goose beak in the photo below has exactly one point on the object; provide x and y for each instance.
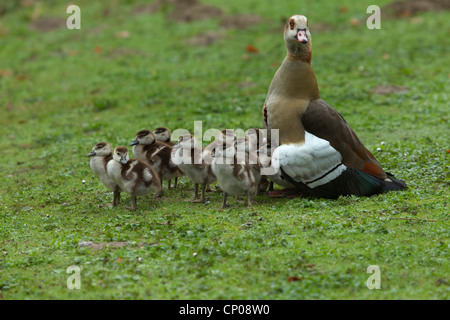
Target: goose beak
(91, 154)
(123, 160)
(301, 36)
(135, 142)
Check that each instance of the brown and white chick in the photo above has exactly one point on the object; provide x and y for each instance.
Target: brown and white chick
(265, 156)
(191, 162)
(255, 138)
(164, 134)
(235, 174)
(101, 155)
(155, 153)
(132, 176)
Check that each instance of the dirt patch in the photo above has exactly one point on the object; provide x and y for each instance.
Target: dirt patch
(240, 21)
(47, 24)
(387, 89)
(246, 84)
(147, 8)
(126, 52)
(400, 9)
(102, 245)
(182, 10)
(205, 38)
(112, 244)
(191, 10)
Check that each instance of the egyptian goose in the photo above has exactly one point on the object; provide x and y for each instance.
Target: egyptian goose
(132, 176)
(193, 164)
(100, 155)
(319, 153)
(234, 171)
(155, 153)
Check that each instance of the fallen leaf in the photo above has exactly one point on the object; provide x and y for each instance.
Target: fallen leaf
(343, 9)
(294, 278)
(119, 260)
(98, 49)
(354, 22)
(251, 49)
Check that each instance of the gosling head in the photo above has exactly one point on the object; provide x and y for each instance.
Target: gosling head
(186, 141)
(144, 137)
(101, 149)
(162, 134)
(121, 154)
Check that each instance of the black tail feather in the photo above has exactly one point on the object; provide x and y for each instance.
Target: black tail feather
(351, 182)
(396, 184)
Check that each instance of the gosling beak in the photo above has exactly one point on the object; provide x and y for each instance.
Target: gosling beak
(176, 145)
(135, 142)
(215, 154)
(301, 36)
(91, 154)
(123, 160)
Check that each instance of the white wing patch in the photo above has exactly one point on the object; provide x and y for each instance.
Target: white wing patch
(147, 174)
(156, 152)
(314, 162)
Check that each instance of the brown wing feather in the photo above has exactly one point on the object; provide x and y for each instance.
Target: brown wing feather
(321, 120)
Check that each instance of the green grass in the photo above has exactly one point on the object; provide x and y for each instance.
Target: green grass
(59, 95)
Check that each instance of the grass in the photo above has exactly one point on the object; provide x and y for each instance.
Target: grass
(64, 90)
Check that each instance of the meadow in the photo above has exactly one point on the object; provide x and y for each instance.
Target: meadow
(136, 65)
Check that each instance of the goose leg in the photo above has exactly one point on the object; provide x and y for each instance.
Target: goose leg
(224, 203)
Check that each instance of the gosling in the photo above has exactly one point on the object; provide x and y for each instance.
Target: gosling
(235, 175)
(193, 165)
(155, 153)
(132, 176)
(101, 155)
